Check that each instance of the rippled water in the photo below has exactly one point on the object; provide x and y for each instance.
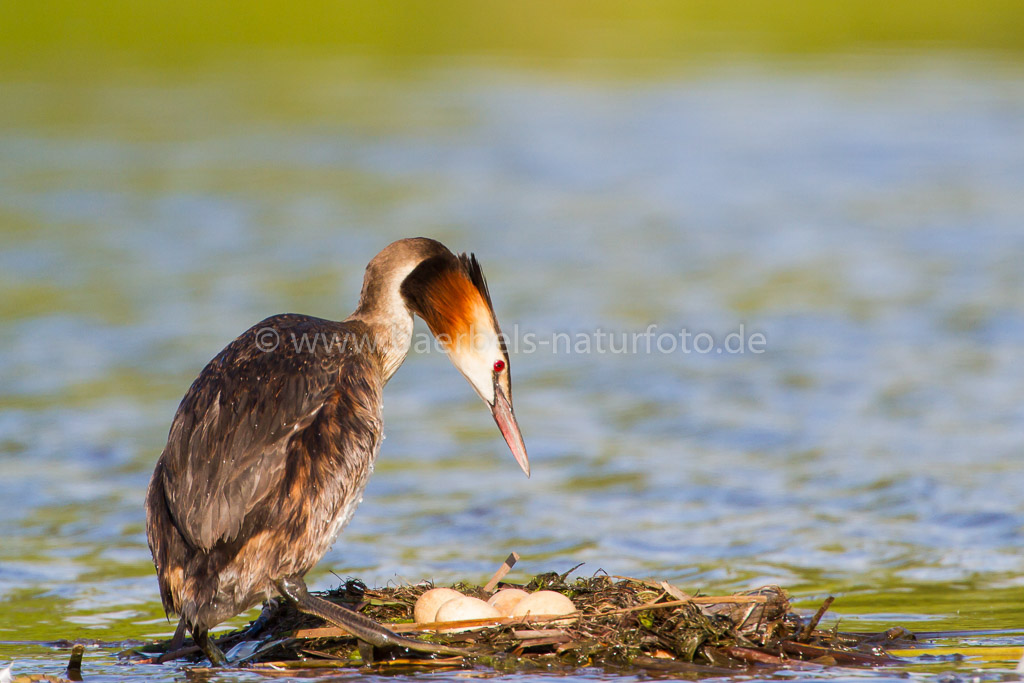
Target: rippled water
(867, 220)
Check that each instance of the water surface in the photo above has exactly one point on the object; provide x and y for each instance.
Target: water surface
(866, 219)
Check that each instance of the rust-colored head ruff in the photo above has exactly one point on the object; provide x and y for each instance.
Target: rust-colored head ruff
(450, 293)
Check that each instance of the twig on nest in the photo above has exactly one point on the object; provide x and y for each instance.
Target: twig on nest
(805, 635)
(504, 569)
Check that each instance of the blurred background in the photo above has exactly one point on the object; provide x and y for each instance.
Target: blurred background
(844, 178)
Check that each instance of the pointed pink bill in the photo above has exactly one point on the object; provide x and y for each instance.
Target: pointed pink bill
(506, 419)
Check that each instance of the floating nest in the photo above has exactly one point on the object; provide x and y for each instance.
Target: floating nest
(622, 625)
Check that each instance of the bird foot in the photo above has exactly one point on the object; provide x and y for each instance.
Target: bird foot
(213, 653)
(362, 627)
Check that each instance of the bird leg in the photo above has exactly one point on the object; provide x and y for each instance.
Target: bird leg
(205, 643)
(262, 620)
(179, 637)
(362, 627)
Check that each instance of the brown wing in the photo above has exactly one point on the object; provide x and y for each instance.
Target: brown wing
(228, 442)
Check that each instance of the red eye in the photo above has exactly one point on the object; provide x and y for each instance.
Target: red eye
(499, 365)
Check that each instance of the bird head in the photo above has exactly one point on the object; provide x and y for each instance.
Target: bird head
(449, 292)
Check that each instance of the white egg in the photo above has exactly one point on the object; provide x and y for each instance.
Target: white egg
(463, 608)
(544, 603)
(506, 599)
(427, 604)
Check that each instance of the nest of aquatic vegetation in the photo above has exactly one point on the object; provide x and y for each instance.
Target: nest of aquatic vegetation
(622, 625)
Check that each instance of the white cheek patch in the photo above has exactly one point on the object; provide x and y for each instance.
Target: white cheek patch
(473, 354)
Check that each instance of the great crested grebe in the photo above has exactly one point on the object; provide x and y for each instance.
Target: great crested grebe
(271, 447)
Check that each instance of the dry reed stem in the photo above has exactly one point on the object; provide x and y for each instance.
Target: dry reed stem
(805, 635)
(702, 600)
(335, 632)
(504, 569)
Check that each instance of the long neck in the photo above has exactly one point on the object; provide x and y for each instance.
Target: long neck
(384, 311)
(392, 338)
